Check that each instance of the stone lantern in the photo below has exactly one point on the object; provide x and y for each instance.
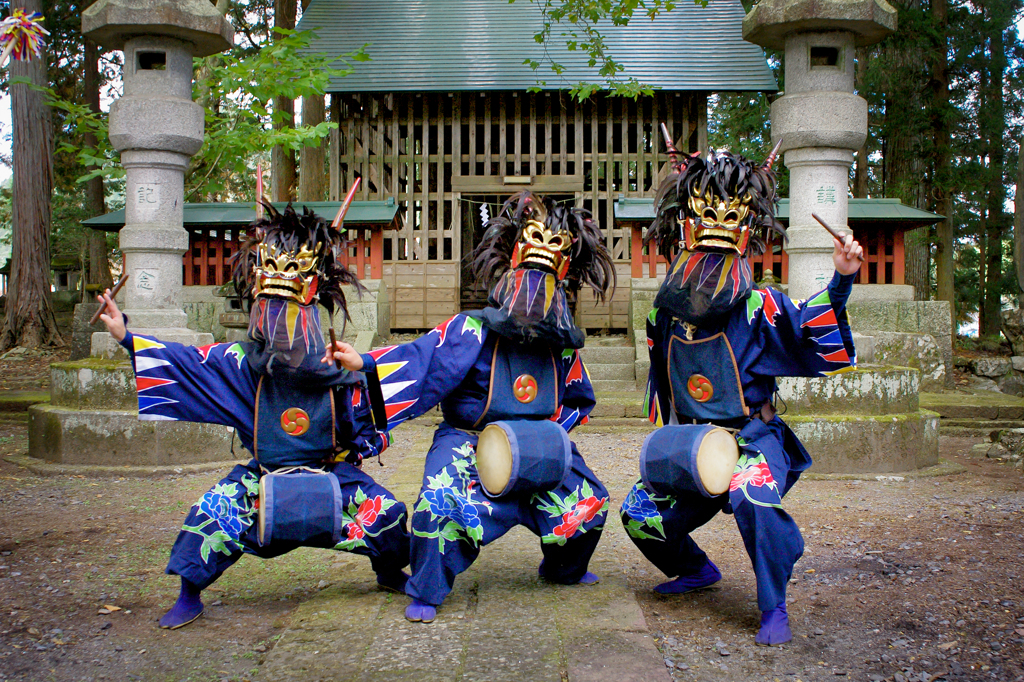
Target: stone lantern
(819, 119)
(157, 128)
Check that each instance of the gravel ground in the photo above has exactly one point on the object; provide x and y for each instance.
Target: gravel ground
(916, 579)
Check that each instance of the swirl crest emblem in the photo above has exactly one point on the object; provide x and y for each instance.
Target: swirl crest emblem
(524, 388)
(295, 421)
(700, 388)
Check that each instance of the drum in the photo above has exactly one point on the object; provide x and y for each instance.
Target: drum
(302, 505)
(689, 458)
(517, 457)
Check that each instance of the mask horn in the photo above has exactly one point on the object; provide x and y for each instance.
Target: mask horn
(673, 153)
(767, 165)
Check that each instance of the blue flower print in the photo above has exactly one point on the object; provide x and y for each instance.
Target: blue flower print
(224, 511)
(447, 502)
(638, 505)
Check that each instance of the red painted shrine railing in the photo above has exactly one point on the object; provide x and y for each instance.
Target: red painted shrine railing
(646, 258)
(206, 261)
(883, 257)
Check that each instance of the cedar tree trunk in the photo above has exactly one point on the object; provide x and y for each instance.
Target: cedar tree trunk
(29, 319)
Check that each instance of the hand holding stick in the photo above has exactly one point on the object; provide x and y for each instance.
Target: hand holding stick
(835, 234)
(113, 293)
(334, 344)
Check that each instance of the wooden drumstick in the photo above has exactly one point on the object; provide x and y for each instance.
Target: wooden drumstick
(835, 234)
(334, 342)
(113, 293)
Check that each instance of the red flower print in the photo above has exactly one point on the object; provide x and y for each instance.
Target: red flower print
(583, 512)
(368, 511)
(355, 531)
(755, 473)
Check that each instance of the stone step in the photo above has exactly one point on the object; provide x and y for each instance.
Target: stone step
(616, 385)
(611, 372)
(987, 405)
(608, 355)
(964, 432)
(986, 425)
(20, 400)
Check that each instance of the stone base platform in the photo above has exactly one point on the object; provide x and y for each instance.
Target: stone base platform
(117, 437)
(869, 444)
(92, 421)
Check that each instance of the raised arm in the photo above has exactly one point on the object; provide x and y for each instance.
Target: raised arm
(416, 376)
(211, 384)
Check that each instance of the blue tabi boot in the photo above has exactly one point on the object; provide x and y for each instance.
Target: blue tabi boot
(420, 612)
(188, 607)
(774, 627)
(705, 577)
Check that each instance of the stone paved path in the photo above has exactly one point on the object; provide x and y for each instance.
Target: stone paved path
(501, 622)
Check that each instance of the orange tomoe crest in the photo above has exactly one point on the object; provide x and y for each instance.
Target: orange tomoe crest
(295, 421)
(524, 388)
(699, 388)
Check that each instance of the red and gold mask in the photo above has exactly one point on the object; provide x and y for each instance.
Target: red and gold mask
(718, 224)
(288, 273)
(543, 246)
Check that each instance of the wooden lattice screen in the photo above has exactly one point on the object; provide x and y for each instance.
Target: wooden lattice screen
(206, 261)
(437, 152)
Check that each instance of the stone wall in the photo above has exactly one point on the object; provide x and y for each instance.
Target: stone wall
(931, 318)
(995, 374)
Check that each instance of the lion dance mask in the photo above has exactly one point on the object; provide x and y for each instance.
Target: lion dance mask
(283, 270)
(532, 254)
(712, 213)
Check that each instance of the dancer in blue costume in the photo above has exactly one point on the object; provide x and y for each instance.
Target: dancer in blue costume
(515, 360)
(716, 346)
(287, 408)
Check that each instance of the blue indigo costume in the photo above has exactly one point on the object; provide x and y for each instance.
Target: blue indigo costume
(287, 408)
(517, 359)
(716, 347)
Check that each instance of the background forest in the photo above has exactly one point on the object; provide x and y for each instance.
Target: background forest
(944, 91)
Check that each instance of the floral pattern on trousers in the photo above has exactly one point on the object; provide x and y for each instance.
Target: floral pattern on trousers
(221, 526)
(453, 519)
(660, 526)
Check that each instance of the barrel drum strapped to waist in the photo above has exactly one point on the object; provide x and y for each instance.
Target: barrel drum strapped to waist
(518, 457)
(300, 504)
(686, 458)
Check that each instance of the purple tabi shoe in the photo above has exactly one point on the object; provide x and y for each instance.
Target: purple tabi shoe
(420, 612)
(774, 627)
(705, 577)
(188, 607)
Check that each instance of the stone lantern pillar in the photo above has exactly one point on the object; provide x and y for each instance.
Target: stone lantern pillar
(157, 128)
(819, 119)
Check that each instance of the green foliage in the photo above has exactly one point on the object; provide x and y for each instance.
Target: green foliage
(576, 23)
(239, 123)
(240, 89)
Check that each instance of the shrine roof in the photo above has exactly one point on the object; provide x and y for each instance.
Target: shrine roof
(241, 215)
(474, 45)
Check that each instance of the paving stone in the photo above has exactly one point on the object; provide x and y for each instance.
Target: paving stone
(501, 623)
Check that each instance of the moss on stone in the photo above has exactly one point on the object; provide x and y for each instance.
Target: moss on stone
(93, 364)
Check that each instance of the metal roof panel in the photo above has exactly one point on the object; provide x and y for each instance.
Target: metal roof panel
(470, 45)
(359, 213)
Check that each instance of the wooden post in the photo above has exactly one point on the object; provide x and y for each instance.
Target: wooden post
(898, 258)
(636, 252)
